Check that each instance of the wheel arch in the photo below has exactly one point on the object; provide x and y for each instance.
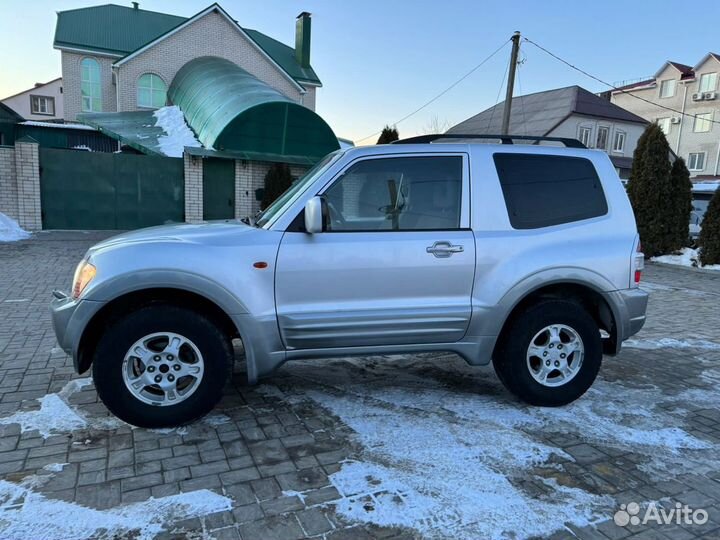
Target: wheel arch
(132, 300)
(588, 294)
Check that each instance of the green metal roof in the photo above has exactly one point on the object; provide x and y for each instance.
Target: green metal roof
(231, 110)
(135, 129)
(285, 56)
(111, 29)
(120, 30)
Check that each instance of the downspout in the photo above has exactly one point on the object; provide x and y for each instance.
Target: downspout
(682, 120)
(717, 159)
(117, 98)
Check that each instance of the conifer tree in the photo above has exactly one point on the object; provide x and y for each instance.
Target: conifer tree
(709, 239)
(277, 180)
(388, 135)
(681, 203)
(650, 191)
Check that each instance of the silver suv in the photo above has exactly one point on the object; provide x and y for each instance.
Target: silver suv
(526, 255)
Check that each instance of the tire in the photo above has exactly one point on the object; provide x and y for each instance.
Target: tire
(550, 327)
(199, 367)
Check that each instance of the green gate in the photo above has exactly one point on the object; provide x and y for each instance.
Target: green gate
(93, 190)
(218, 188)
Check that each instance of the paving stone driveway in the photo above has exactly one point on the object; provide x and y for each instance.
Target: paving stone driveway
(382, 447)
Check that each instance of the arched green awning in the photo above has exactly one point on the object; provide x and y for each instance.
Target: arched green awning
(231, 110)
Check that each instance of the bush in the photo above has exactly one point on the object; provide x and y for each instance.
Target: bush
(388, 135)
(277, 180)
(709, 239)
(650, 191)
(681, 203)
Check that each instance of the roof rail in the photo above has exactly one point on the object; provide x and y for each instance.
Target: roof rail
(505, 139)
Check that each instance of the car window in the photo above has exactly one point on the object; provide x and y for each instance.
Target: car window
(543, 190)
(297, 188)
(397, 194)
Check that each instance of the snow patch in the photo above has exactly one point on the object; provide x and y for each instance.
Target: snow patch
(686, 257)
(54, 467)
(27, 514)
(671, 343)
(445, 478)
(56, 415)
(216, 419)
(58, 125)
(177, 133)
(10, 231)
(452, 459)
(706, 186)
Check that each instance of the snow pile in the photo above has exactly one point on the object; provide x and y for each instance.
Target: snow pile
(10, 231)
(25, 513)
(686, 257)
(177, 133)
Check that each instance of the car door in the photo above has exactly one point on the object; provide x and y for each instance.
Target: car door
(394, 264)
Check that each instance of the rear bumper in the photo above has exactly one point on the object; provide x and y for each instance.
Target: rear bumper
(635, 301)
(628, 309)
(69, 319)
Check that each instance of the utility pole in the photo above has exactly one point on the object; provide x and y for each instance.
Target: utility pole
(511, 83)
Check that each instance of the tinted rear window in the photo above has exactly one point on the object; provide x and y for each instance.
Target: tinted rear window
(541, 191)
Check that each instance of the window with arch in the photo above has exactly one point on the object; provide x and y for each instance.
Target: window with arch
(90, 85)
(152, 91)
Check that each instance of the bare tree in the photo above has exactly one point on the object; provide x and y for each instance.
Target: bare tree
(436, 126)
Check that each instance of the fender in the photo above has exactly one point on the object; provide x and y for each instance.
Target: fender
(122, 284)
(489, 320)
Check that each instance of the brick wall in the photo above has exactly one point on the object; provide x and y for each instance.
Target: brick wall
(212, 35)
(249, 176)
(27, 174)
(71, 73)
(193, 189)
(8, 184)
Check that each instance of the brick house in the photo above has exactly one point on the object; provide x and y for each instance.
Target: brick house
(685, 101)
(117, 58)
(234, 101)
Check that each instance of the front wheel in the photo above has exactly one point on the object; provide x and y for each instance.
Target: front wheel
(161, 366)
(550, 354)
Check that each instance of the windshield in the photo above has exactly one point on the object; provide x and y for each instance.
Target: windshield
(295, 190)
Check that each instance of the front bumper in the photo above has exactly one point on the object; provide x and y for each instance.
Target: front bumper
(69, 319)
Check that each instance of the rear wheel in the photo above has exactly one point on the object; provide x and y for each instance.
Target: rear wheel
(550, 354)
(161, 366)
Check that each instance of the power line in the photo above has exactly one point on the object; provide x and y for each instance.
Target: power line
(593, 77)
(453, 85)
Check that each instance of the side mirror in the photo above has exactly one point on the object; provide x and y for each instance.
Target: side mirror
(313, 215)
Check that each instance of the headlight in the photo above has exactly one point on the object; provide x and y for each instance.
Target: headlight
(84, 273)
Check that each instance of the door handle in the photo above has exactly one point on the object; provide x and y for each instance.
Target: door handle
(443, 249)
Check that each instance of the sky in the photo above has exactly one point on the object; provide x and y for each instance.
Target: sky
(380, 60)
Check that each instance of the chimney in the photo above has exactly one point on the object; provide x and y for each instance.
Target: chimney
(302, 39)
(135, 5)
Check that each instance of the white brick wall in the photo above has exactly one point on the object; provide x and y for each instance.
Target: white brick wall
(72, 81)
(27, 171)
(8, 184)
(212, 35)
(193, 189)
(249, 176)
